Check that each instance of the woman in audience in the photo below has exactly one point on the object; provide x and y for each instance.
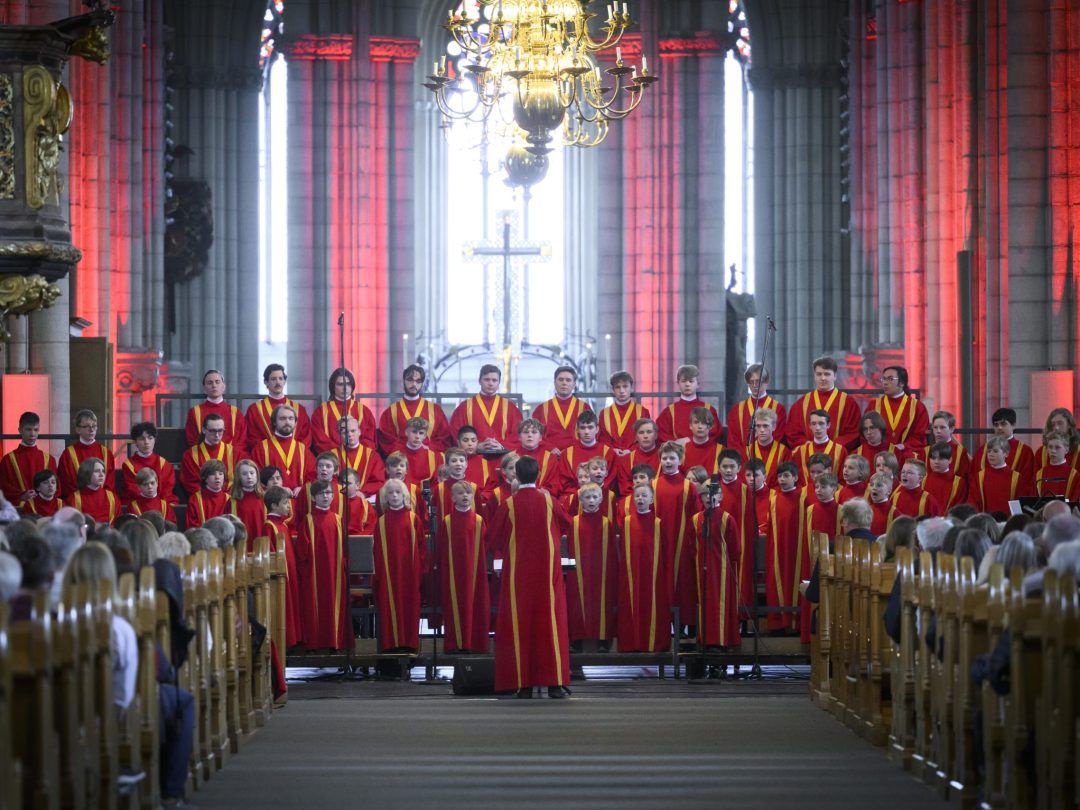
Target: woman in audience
(901, 534)
(1016, 550)
(972, 543)
(173, 546)
(90, 564)
(1065, 559)
(144, 544)
(987, 524)
(10, 576)
(200, 540)
(1015, 523)
(222, 530)
(240, 532)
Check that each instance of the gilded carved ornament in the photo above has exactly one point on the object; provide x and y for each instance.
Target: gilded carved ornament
(21, 295)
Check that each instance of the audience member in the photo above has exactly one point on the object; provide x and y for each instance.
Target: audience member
(10, 576)
(200, 539)
(174, 546)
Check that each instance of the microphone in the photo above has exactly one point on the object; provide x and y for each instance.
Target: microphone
(714, 484)
(425, 489)
(341, 319)
(771, 323)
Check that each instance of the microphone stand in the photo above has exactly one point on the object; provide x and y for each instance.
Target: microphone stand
(343, 482)
(706, 536)
(433, 526)
(755, 669)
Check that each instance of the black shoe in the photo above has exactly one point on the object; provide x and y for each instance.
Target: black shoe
(558, 692)
(523, 693)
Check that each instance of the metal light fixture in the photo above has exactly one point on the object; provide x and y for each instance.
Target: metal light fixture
(535, 62)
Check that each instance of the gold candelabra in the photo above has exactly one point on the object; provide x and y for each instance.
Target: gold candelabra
(536, 63)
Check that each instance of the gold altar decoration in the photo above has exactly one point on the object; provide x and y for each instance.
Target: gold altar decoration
(536, 62)
(21, 295)
(46, 117)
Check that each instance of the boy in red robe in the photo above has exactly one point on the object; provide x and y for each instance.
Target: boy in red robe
(92, 498)
(819, 445)
(481, 470)
(755, 505)
(741, 416)
(641, 474)
(618, 420)
(148, 499)
(644, 451)
(246, 499)
(717, 564)
(1019, 456)
(463, 586)
(326, 421)
(235, 430)
(942, 425)
(423, 461)
(997, 482)
(1056, 476)
(592, 587)
(879, 496)
(257, 419)
(702, 450)
(504, 482)
(86, 446)
(911, 498)
(569, 500)
(530, 443)
(362, 515)
(947, 488)
(494, 418)
(822, 516)
(410, 406)
(644, 579)
(599, 474)
(584, 448)
(144, 437)
(872, 430)
(359, 457)
(45, 503)
(731, 483)
(457, 464)
(400, 562)
(856, 475)
(677, 502)
(785, 546)
(212, 499)
(327, 622)
(531, 645)
(212, 448)
(278, 511)
(674, 420)
(559, 414)
(843, 410)
(18, 468)
(765, 447)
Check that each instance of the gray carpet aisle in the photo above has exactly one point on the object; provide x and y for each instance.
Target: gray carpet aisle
(653, 744)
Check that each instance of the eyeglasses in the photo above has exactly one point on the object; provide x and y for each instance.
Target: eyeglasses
(890, 379)
(214, 431)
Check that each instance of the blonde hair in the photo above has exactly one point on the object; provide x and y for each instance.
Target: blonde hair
(238, 491)
(90, 563)
(590, 487)
(392, 485)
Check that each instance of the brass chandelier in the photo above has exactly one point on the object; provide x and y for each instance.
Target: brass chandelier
(536, 63)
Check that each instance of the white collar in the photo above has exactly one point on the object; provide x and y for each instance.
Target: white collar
(217, 401)
(87, 443)
(685, 398)
(526, 486)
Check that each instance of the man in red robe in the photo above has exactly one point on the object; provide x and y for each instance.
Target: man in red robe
(531, 444)
(674, 421)
(531, 645)
(214, 388)
(328, 416)
(843, 410)
(741, 416)
(212, 447)
(257, 418)
(942, 482)
(144, 437)
(559, 414)
(819, 443)
(495, 419)
(906, 417)
(283, 451)
(617, 420)
(583, 448)
(717, 545)
(592, 587)
(18, 468)
(645, 579)
(911, 498)
(86, 446)
(463, 588)
(646, 450)
(677, 501)
(1020, 456)
(765, 447)
(942, 425)
(412, 405)
(360, 458)
(327, 623)
(785, 546)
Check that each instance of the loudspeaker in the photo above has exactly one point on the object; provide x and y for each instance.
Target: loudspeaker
(474, 675)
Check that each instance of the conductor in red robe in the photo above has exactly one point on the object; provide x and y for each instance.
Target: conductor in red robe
(531, 645)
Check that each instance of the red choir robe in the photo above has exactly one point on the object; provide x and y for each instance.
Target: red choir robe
(674, 421)
(493, 417)
(251, 509)
(193, 459)
(577, 453)
(1042, 458)
(677, 502)
(304, 504)
(18, 468)
(772, 456)
(702, 455)
(1020, 458)
(750, 531)
(481, 472)
(740, 418)
(961, 460)
(258, 426)
(495, 498)
(419, 505)
(204, 505)
(531, 644)
(823, 518)
(849, 491)
(463, 587)
(787, 546)
(559, 418)
(39, 507)
(913, 503)
(644, 586)
(295, 461)
(611, 506)
(948, 489)
(592, 587)
(281, 539)
(362, 516)
(67, 467)
(423, 463)
(717, 579)
(731, 497)
(324, 424)
(992, 489)
(880, 522)
(907, 420)
(627, 463)
(366, 463)
(166, 476)
(868, 451)
(140, 505)
(550, 469)
(844, 418)
(442, 497)
(1062, 480)
(617, 424)
(391, 433)
(325, 609)
(100, 504)
(235, 428)
(833, 450)
(400, 561)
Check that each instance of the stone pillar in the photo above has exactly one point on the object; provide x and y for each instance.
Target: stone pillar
(49, 339)
(136, 374)
(802, 269)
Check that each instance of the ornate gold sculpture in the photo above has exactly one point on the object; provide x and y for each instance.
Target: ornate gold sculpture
(93, 45)
(49, 251)
(7, 138)
(46, 117)
(21, 295)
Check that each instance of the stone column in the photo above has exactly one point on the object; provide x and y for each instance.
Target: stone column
(802, 270)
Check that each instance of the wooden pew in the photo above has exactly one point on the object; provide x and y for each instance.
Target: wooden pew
(1025, 621)
(216, 673)
(943, 697)
(278, 588)
(129, 726)
(71, 667)
(993, 705)
(90, 728)
(10, 769)
(925, 663)
(856, 717)
(259, 582)
(241, 635)
(902, 667)
(972, 640)
(841, 641)
(36, 744)
(877, 683)
(1055, 731)
(188, 675)
(821, 641)
(149, 733)
(230, 650)
(103, 696)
